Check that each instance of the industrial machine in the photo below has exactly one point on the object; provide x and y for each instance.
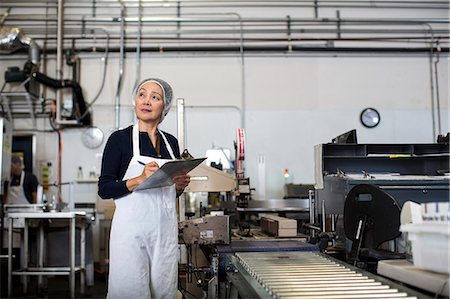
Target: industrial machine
(404, 172)
(416, 172)
(228, 225)
(267, 260)
(205, 230)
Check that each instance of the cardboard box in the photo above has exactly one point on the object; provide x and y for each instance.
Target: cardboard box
(279, 226)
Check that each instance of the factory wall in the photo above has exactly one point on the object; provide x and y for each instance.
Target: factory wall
(291, 103)
(287, 103)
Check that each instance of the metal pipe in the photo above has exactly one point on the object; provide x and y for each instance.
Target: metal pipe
(323, 216)
(10, 245)
(282, 21)
(407, 36)
(431, 80)
(312, 209)
(105, 65)
(121, 64)
(181, 124)
(277, 22)
(59, 57)
(436, 77)
(138, 47)
(243, 85)
(72, 257)
(213, 34)
(433, 118)
(182, 146)
(243, 4)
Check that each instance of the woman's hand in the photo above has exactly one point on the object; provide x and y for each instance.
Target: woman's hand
(148, 170)
(181, 182)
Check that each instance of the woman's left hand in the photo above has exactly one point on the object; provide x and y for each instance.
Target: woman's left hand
(181, 181)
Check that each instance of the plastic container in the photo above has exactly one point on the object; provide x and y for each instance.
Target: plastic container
(430, 245)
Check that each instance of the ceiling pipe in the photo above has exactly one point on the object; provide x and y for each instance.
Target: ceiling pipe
(138, 58)
(121, 64)
(250, 49)
(438, 101)
(245, 4)
(60, 64)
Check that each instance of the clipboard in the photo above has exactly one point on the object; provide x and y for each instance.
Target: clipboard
(164, 176)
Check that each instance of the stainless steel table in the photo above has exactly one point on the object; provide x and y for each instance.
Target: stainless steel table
(73, 218)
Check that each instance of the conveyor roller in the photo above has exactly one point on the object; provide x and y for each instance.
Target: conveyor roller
(312, 275)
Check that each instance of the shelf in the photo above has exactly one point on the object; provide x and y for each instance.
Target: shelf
(364, 150)
(20, 104)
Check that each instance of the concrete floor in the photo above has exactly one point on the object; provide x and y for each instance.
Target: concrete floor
(57, 287)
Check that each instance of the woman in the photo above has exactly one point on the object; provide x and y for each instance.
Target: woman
(143, 257)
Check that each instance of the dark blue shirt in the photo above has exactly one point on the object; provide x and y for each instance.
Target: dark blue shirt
(117, 155)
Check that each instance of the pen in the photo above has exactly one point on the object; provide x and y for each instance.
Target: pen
(142, 163)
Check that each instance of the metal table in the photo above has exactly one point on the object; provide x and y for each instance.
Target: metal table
(72, 217)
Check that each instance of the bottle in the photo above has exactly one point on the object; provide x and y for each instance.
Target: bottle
(287, 177)
(92, 173)
(44, 202)
(80, 173)
(51, 180)
(53, 204)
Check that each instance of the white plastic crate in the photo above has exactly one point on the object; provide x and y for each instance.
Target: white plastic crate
(430, 245)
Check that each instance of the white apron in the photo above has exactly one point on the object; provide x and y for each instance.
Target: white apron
(16, 195)
(144, 237)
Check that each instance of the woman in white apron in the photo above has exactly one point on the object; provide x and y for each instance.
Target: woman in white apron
(144, 233)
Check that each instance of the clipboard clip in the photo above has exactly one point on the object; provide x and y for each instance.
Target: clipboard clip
(186, 155)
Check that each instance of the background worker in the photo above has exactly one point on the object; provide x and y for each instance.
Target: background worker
(23, 186)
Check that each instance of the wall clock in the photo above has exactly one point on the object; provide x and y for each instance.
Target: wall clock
(92, 137)
(370, 117)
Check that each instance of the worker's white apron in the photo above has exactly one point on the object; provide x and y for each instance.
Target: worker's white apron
(16, 195)
(144, 237)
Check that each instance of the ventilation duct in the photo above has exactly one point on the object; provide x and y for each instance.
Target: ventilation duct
(13, 39)
(81, 114)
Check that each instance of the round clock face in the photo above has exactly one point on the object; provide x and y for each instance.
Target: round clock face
(370, 118)
(92, 137)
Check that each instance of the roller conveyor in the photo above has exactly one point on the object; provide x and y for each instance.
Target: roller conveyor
(312, 275)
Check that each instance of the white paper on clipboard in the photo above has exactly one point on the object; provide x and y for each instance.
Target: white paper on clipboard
(164, 176)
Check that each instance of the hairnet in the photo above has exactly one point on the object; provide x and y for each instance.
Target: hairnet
(167, 93)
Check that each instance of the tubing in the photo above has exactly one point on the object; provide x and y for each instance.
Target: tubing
(77, 91)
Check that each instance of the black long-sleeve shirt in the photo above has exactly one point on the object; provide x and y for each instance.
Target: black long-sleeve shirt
(117, 155)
